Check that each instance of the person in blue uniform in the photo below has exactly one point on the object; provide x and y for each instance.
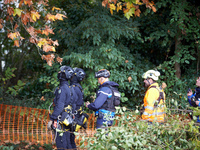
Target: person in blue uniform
(194, 98)
(63, 97)
(103, 106)
(79, 75)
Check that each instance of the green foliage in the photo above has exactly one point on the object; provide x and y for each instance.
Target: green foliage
(25, 145)
(131, 133)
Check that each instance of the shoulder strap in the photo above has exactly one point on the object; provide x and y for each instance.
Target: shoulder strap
(161, 95)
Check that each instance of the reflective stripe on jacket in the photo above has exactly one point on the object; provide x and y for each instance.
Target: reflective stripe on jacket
(151, 113)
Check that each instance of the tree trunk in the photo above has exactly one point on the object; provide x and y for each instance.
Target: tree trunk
(177, 66)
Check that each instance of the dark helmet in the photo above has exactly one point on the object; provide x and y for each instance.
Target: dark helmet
(102, 73)
(79, 73)
(68, 71)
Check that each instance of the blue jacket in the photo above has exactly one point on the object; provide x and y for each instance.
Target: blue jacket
(197, 97)
(102, 95)
(63, 97)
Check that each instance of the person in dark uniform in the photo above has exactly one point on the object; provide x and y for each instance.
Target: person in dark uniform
(79, 75)
(194, 98)
(103, 105)
(63, 98)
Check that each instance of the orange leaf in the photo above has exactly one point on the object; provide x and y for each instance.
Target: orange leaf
(59, 60)
(137, 12)
(10, 10)
(48, 48)
(55, 43)
(49, 58)
(31, 30)
(1, 26)
(129, 79)
(16, 25)
(12, 35)
(104, 3)
(126, 61)
(29, 2)
(47, 31)
(33, 40)
(25, 18)
(60, 16)
(42, 98)
(16, 43)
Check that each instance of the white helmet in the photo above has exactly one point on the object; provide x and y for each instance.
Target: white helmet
(153, 74)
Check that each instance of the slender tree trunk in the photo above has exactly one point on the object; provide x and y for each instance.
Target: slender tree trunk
(177, 66)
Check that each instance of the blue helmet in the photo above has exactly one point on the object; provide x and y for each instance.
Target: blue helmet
(69, 72)
(102, 73)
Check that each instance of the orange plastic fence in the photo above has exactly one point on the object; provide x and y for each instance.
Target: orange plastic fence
(30, 124)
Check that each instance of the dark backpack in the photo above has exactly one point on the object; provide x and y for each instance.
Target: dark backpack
(114, 100)
(117, 96)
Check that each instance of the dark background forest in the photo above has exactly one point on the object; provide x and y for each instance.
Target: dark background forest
(92, 38)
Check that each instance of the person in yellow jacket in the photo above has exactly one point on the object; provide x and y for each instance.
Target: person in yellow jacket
(154, 99)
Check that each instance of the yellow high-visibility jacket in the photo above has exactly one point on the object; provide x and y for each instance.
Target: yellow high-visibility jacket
(152, 113)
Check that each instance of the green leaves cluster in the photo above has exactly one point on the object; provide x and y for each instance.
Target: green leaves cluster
(133, 133)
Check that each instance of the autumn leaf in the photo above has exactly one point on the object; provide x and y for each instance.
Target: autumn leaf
(29, 2)
(33, 40)
(17, 11)
(42, 42)
(129, 5)
(129, 79)
(47, 31)
(50, 17)
(112, 7)
(129, 13)
(126, 61)
(42, 98)
(16, 43)
(104, 3)
(12, 35)
(59, 16)
(55, 43)
(35, 15)
(55, 8)
(10, 10)
(59, 60)
(25, 18)
(119, 6)
(137, 12)
(49, 58)
(47, 48)
(31, 30)
(16, 26)
(1, 26)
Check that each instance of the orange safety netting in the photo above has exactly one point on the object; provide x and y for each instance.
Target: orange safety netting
(30, 124)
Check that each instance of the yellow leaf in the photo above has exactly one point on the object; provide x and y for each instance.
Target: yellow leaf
(42, 42)
(35, 15)
(119, 6)
(50, 17)
(55, 8)
(17, 11)
(129, 5)
(112, 6)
